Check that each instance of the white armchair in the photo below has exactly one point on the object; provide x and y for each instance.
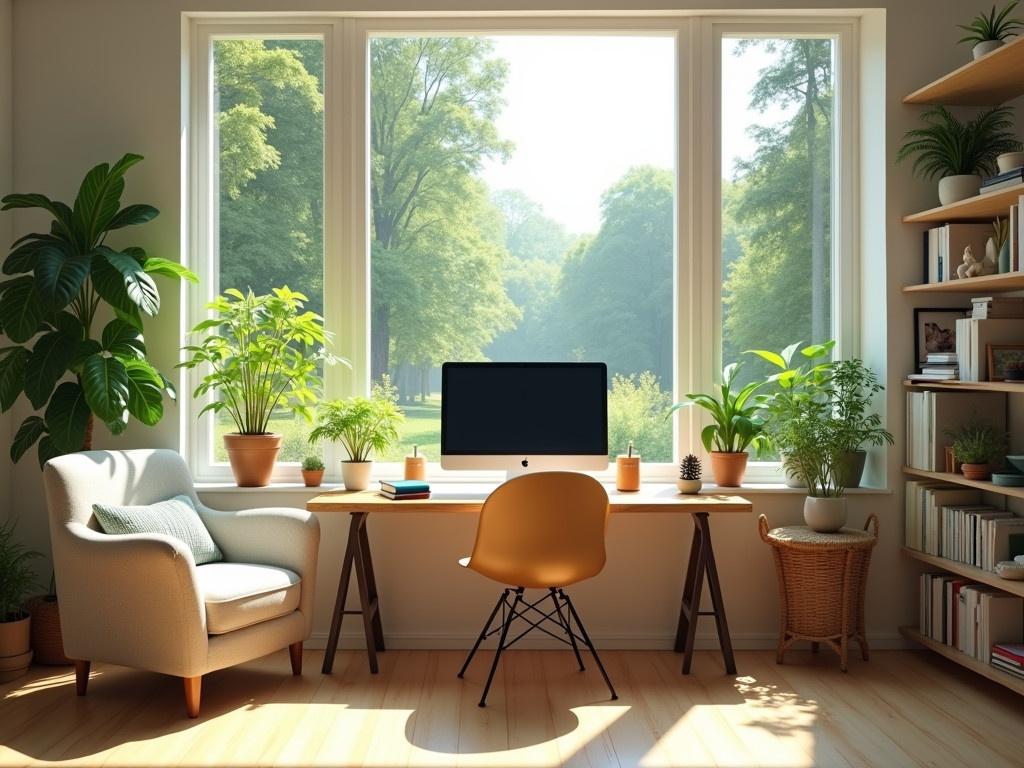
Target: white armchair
(139, 600)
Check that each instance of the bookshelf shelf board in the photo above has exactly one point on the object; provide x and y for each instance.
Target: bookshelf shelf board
(989, 80)
(971, 663)
(1011, 281)
(981, 207)
(967, 571)
(968, 386)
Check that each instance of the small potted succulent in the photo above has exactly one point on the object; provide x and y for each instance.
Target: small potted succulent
(979, 448)
(312, 471)
(989, 31)
(689, 474)
(16, 580)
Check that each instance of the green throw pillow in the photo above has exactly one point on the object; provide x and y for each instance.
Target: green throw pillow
(176, 517)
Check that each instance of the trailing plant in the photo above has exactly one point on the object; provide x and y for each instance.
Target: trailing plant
(948, 147)
(64, 280)
(690, 468)
(992, 26)
(17, 578)
(1000, 232)
(263, 353)
(312, 464)
(854, 386)
(978, 443)
(737, 423)
(361, 424)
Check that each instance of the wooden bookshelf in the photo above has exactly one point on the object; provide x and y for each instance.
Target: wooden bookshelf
(987, 81)
(971, 663)
(955, 478)
(1011, 281)
(968, 572)
(982, 207)
(1012, 387)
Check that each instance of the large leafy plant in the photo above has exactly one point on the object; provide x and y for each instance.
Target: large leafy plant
(948, 147)
(262, 353)
(16, 575)
(736, 421)
(854, 386)
(995, 25)
(65, 281)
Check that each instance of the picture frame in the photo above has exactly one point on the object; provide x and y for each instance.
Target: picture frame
(1001, 354)
(935, 330)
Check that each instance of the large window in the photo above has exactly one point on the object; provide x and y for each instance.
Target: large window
(528, 189)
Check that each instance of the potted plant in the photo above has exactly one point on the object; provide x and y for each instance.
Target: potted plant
(689, 474)
(959, 152)
(997, 247)
(312, 471)
(263, 355)
(16, 580)
(979, 448)
(989, 31)
(736, 426)
(362, 425)
(853, 387)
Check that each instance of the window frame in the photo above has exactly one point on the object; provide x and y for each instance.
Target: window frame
(697, 225)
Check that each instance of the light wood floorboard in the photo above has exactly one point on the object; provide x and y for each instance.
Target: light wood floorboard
(903, 708)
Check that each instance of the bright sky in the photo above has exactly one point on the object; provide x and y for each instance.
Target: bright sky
(581, 111)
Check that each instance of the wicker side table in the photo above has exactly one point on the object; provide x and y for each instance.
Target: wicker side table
(822, 579)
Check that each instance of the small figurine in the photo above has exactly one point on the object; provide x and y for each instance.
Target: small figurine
(973, 267)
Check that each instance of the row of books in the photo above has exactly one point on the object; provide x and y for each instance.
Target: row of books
(944, 246)
(405, 489)
(931, 416)
(969, 617)
(1009, 657)
(973, 339)
(952, 522)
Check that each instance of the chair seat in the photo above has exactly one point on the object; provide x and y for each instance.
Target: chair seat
(238, 595)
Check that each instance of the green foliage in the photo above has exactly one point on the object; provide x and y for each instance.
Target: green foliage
(1000, 232)
(948, 147)
(736, 421)
(854, 386)
(978, 443)
(312, 464)
(690, 468)
(362, 425)
(70, 273)
(17, 578)
(264, 355)
(992, 26)
(636, 413)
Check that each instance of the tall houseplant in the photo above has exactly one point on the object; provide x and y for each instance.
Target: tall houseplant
(262, 354)
(16, 580)
(736, 425)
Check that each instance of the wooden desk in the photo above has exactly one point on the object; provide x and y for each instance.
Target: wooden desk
(469, 498)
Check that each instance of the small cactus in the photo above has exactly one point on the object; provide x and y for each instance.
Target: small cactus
(689, 468)
(312, 464)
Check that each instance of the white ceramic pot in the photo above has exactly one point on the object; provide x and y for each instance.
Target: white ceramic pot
(1009, 161)
(356, 475)
(986, 46)
(792, 478)
(825, 515)
(954, 188)
(688, 486)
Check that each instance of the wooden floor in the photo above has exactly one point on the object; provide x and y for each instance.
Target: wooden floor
(901, 708)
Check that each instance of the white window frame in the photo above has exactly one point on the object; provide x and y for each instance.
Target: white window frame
(697, 300)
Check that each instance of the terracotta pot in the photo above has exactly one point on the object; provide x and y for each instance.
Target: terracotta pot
(825, 515)
(356, 475)
(47, 642)
(15, 651)
(312, 477)
(728, 468)
(252, 457)
(976, 471)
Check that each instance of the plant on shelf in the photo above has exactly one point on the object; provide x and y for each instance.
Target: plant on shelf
(854, 386)
(263, 355)
(979, 448)
(997, 247)
(690, 471)
(363, 425)
(989, 31)
(312, 471)
(736, 426)
(959, 152)
(17, 579)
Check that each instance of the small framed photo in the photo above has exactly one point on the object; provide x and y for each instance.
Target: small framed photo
(935, 331)
(1002, 355)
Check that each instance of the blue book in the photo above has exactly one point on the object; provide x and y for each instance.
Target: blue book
(398, 487)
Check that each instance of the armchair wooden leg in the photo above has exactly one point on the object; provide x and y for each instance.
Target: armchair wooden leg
(81, 676)
(295, 651)
(193, 690)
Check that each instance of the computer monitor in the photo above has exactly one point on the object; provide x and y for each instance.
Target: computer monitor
(524, 416)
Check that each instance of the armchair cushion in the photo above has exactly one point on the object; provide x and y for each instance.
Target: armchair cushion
(175, 517)
(237, 595)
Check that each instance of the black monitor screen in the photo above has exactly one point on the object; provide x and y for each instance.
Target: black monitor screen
(524, 408)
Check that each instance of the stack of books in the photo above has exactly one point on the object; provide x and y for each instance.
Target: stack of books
(997, 307)
(944, 249)
(939, 366)
(1009, 657)
(973, 618)
(405, 489)
(1005, 180)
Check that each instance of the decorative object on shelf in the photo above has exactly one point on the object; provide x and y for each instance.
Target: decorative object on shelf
(1010, 161)
(1008, 479)
(979, 447)
(935, 331)
(263, 355)
(957, 152)
(363, 425)
(415, 465)
(997, 248)
(1016, 460)
(972, 266)
(854, 387)
(1010, 569)
(951, 465)
(16, 580)
(989, 31)
(627, 470)
(1001, 357)
(737, 426)
(312, 471)
(690, 470)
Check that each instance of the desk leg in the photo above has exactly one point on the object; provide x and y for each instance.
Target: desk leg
(724, 640)
(371, 587)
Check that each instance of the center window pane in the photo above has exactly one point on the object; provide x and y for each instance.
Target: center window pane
(523, 197)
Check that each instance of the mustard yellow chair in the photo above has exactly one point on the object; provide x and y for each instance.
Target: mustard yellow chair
(540, 531)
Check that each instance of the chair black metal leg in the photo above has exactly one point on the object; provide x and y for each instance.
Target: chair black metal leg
(566, 627)
(501, 644)
(586, 639)
(483, 633)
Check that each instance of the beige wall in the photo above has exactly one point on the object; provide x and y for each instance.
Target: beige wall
(6, 159)
(112, 85)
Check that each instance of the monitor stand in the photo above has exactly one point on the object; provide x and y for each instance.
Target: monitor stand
(519, 471)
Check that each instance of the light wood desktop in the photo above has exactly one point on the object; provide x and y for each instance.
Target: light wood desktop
(469, 498)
